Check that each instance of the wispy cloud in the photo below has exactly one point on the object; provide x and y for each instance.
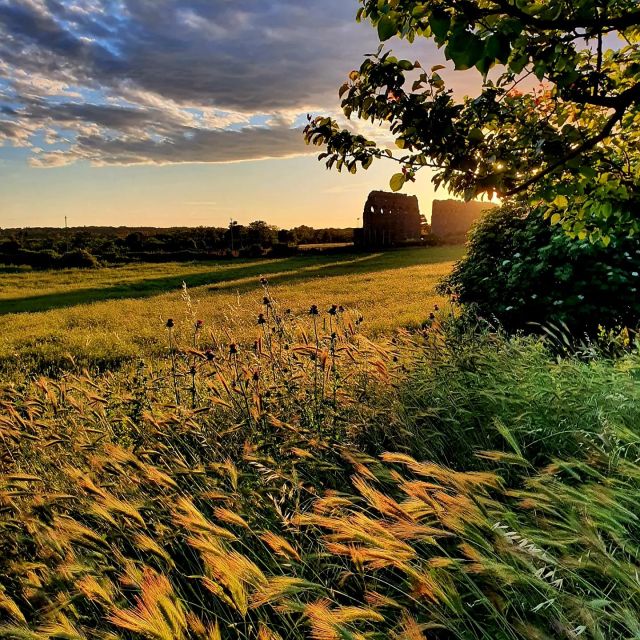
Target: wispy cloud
(169, 81)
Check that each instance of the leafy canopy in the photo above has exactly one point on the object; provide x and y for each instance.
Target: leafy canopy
(572, 143)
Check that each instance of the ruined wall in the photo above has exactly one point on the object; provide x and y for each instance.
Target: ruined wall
(452, 219)
(390, 219)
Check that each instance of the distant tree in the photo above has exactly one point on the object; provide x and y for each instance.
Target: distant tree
(574, 143)
(81, 240)
(260, 233)
(284, 236)
(10, 245)
(134, 241)
(304, 234)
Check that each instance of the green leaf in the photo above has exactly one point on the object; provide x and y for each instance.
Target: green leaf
(437, 81)
(561, 202)
(484, 65)
(476, 135)
(440, 23)
(397, 182)
(465, 49)
(420, 11)
(518, 63)
(387, 28)
(498, 47)
(588, 172)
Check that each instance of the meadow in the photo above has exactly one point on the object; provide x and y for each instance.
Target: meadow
(306, 449)
(99, 318)
(438, 484)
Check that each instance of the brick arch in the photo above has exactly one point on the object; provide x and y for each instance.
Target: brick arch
(390, 219)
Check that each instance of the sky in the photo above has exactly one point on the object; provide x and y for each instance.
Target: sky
(180, 112)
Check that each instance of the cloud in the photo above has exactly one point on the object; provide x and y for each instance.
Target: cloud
(217, 146)
(159, 81)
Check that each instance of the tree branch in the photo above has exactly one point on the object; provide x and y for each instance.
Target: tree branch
(621, 101)
(585, 146)
(630, 19)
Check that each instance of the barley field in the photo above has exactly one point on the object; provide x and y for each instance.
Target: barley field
(65, 319)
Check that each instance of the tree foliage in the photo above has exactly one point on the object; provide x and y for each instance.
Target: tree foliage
(570, 143)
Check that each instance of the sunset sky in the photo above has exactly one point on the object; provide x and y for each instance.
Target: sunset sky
(179, 112)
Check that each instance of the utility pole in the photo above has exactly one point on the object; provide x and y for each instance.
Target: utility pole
(232, 224)
(66, 232)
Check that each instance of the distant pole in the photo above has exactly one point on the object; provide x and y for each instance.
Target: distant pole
(66, 232)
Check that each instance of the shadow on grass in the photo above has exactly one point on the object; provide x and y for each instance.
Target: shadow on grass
(290, 270)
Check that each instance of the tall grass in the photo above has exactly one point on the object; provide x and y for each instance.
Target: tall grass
(485, 391)
(261, 505)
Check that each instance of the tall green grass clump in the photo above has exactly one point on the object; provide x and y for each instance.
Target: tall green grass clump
(313, 484)
(476, 391)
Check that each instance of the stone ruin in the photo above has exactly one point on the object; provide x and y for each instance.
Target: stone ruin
(452, 219)
(390, 219)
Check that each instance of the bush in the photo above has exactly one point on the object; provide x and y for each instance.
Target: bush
(253, 252)
(78, 259)
(46, 259)
(283, 250)
(521, 270)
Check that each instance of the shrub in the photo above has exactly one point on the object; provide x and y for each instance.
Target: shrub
(78, 259)
(521, 270)
(283, 250)
(46, 259)
(254, 251)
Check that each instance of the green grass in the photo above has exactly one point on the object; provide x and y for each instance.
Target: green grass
(104, 317)
(441, 484)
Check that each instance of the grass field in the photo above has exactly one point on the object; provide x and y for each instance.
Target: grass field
(449, 483)
(102, 317)
(442, 486)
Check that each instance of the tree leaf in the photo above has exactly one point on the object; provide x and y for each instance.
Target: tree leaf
(476, 135)
(497, 47)
(387, 28)
(465, 49)
(561, 202)
(397, 182)
(440, 23)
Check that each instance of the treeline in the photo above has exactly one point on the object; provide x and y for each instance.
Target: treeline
(50, 248)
